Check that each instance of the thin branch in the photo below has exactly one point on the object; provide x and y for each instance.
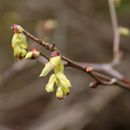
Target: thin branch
(106, 68)
(102, 79)
(116, 39)
(46, 57)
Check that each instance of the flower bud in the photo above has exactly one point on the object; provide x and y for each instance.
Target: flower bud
(19, 52)
(65, 90)
(88, 69)
(55, 61)
(20, 45)
(59, 93)
(50, 84)
(55, 53)
(124, 31)
(49, 25)
(63, 80)
(59, 68)
(94, 84)
(29, 55)
(17, 28)
(32, 54)
(35, 53)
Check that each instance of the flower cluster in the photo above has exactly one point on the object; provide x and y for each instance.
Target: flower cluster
(20, 44)
(58, 78)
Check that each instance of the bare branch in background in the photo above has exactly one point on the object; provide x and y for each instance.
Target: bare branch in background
(116, 39)
(107, 68)
(24, 96)
(17, 67)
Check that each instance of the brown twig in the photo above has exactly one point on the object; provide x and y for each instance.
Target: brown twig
(46, 57)
(102, 79)
(107, 68)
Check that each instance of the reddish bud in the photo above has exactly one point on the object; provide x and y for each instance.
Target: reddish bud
(88, 68)
(34, 50)
(17, 28)
(55, 53)
(93, 84)
(50, 25)
(35, 53)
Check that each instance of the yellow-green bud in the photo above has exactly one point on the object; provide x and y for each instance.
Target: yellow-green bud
(117, 3)
(50, 84)
(32, 54)
(59, 93)
(63, 80)
(65, 90)
(59, 68)
(29, 55)
(124, 31)
(20, 45)
(55, 61)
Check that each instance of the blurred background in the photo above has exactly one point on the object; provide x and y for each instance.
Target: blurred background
(83, 32)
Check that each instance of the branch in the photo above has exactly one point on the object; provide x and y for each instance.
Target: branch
(100, 78)
(116, 39)
(106, 68)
